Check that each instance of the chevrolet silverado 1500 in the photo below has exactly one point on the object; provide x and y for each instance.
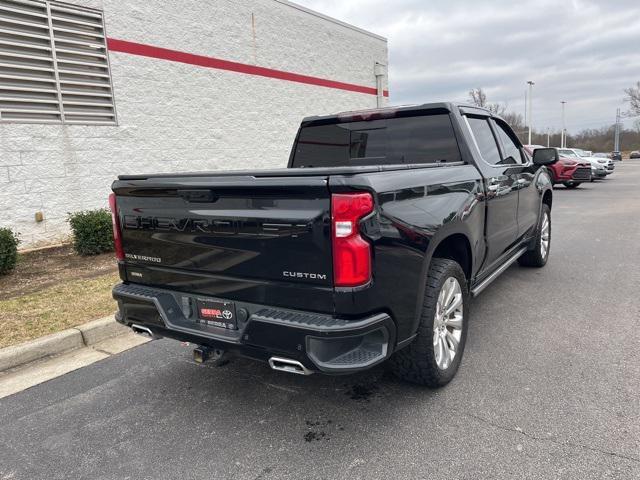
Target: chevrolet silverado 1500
(367, 247)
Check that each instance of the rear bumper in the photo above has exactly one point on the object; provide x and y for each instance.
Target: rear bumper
(320, 342)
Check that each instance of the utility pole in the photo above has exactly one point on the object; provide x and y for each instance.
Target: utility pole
(531, 84)
(526, 121)
(616, 140)
(547, 136)
(563, 134)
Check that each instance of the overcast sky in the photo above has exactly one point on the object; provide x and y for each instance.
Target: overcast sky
(584, 52)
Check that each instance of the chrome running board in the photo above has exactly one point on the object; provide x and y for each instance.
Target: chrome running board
(475, 291)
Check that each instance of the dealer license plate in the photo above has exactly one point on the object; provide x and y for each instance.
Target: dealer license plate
(217, 313)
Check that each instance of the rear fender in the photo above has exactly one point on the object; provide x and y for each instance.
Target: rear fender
(447, 231)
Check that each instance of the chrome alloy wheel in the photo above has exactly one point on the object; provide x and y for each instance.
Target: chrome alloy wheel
(545, 236)
(447, 324)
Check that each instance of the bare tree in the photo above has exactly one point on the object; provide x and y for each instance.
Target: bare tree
(516, 122)
(497, 108)
(479, 98)
(514, 119)
(599, 139)
(633, 97)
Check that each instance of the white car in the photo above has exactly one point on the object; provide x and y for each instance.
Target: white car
(610, 162)
(589, 153)
(599, 166)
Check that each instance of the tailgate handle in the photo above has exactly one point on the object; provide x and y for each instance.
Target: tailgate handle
(198, 196)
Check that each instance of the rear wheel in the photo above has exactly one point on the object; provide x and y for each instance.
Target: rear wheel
(572, 184)
(433, 358)
(537, 256)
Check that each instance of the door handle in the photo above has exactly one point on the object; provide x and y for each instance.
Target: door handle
(493, 184)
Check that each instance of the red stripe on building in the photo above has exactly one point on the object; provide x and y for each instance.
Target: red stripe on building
(143, 50)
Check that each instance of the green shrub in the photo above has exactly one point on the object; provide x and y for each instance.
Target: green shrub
(8, 250)
(92, 231)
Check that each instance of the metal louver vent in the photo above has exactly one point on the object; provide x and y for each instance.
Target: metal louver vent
(54, 66)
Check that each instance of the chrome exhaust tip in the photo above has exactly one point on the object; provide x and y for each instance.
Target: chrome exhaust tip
(144, 331)
(287, 365)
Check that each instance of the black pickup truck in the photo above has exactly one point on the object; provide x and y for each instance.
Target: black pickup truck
(366, 248)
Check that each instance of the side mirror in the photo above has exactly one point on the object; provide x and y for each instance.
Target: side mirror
(545, 156)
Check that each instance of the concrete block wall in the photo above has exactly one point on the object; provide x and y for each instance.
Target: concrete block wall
(179, 117)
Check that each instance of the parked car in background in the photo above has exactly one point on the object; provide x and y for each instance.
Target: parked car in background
(588, 154)
(617, 156)
(570, 172)
(598, 165)
(635, 154)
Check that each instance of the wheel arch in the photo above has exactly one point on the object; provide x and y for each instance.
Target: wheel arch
(454, 244)
(552, 175)
(547, 198)
(456, 247)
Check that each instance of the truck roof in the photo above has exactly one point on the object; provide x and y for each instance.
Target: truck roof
(392, 111)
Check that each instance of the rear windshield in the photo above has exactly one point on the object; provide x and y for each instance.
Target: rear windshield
(418, 139)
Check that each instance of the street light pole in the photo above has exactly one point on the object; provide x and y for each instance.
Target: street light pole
(531, 84)
(526, 103)
(563, 134)
(616, 138)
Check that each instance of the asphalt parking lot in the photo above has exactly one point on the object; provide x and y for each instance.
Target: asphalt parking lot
(549, 388)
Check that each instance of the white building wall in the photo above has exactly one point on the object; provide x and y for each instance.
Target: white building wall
(179, 117)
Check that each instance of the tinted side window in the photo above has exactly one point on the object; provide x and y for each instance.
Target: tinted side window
(425, 139)
(485, 140)
(409, 140)
(510, 151)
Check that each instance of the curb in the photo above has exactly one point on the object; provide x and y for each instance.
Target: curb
(101, 329)
(60, 342)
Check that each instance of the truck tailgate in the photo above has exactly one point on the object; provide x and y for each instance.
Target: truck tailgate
(240, 237)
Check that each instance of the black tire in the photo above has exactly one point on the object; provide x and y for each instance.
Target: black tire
(572, 184)
(416, 363)
(535, 257)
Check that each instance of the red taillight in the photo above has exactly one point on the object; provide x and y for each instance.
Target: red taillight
(115, 220)
(351, 252)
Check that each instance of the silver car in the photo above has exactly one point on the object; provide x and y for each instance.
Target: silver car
(600, 167)
(587, 154)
